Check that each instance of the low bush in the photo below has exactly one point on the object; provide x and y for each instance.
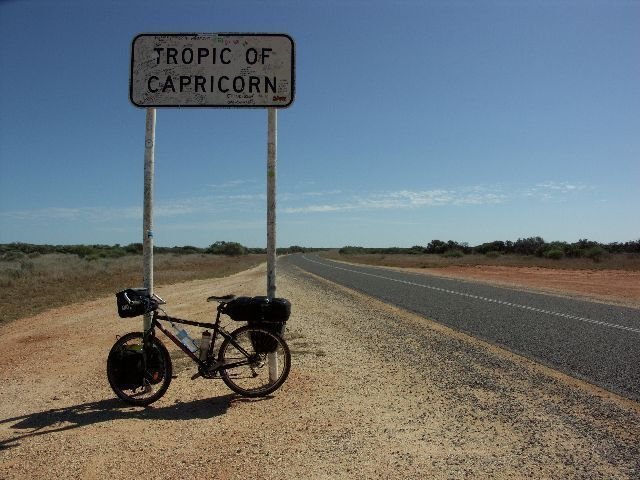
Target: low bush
(231, 249)
(595, 253)
(554, 254)
(12, 255)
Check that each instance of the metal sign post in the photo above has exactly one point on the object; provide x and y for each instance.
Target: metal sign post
(147, 215)
(272, 129)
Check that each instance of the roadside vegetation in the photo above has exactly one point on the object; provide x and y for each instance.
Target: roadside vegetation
(34, 278)
(527, 252)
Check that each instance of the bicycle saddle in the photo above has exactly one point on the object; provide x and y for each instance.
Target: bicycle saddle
(224, 298)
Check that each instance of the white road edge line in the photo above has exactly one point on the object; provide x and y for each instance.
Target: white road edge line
(484, 299)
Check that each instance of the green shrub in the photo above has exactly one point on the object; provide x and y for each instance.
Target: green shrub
(12, 255)
(492, 254)
(595, 253)
(554, 254)
(227, 248)
(573, 251)
(453, 254)
(529, 246)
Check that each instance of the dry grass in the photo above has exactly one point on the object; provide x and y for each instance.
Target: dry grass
(32, 285)
(621, 261)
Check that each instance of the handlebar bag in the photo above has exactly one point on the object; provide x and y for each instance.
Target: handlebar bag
(135, 306)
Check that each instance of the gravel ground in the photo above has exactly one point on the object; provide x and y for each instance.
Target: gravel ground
(374, 392)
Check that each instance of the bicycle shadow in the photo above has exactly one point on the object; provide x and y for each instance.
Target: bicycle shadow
(77, 416)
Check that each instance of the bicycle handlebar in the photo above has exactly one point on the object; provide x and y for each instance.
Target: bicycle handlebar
(146, 299)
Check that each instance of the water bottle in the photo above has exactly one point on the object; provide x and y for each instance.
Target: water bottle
(182, 335)
(205, 341)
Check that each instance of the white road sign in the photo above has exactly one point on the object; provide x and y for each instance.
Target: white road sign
(212, 70)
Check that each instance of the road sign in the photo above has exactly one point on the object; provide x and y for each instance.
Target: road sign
(212, 70)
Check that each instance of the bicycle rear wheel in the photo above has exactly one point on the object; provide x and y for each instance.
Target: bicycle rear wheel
(254, 362)
(135, 379)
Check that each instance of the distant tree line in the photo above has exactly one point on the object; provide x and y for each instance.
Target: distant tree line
(13, 251)
(523, 246)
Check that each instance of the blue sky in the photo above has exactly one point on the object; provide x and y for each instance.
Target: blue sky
(413, 121)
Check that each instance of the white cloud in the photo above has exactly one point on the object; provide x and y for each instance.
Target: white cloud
(295, 196)
(231, 184)
(322, 194)
(553, 190)
(296, 202)
(163, 209)
(73, 214)
(408, 199)
(317, 208)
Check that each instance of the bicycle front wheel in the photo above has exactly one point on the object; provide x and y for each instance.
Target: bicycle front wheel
(139, 374)
(254, 362)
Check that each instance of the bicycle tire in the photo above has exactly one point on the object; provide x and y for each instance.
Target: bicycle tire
(253, 379)
(154, 382)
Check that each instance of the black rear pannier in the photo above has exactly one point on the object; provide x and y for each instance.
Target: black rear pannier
(258, 309)
(263, 343)
(278, 310)
(130, 302)
(269, 314)
(242, 309)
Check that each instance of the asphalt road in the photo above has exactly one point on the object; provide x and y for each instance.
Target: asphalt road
(596, 342)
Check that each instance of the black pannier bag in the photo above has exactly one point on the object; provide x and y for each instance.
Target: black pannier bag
(278, 310)
(241, 309)
(258, 309)
(275, 313)
(264, 343)
(135, 306)
(128, 367)
(262, 312)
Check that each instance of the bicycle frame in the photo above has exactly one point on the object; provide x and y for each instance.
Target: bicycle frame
(215, 326)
